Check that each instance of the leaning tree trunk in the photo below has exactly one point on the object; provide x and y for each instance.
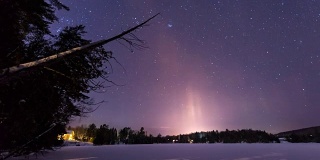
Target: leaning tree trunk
(7, 73)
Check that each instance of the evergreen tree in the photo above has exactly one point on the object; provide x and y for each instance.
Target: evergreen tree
(101, 135)
(31, 101)
(51, 95)
(105, 136)
(20, 21)
(124, 134)
(159, 138)
(91, 132)
(113, 136)
(141, 137)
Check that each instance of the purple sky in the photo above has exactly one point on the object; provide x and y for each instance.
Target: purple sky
(210, 65)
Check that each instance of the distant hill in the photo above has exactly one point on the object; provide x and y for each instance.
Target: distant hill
(303, 131)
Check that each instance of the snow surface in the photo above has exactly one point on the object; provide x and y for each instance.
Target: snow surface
(282, 151)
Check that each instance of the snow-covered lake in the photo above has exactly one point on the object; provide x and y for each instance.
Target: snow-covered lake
(282, 151)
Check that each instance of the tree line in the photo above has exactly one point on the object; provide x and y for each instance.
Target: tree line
(104, 135)
(303, 138)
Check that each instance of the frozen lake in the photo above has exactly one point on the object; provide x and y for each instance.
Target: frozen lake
(284, 151)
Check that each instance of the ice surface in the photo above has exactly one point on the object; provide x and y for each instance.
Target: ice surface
(282, 151)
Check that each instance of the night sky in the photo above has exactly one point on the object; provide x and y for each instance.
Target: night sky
(209, 65)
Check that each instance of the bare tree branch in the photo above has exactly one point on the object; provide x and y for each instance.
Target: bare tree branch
(57, 72)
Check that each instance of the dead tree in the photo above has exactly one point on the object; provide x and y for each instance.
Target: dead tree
(7, 73)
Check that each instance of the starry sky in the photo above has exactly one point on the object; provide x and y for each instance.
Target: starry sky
(209, 65)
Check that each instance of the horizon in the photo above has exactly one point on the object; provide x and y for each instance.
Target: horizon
(155, 134)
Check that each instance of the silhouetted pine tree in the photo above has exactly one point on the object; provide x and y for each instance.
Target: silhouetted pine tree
(33, 100)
